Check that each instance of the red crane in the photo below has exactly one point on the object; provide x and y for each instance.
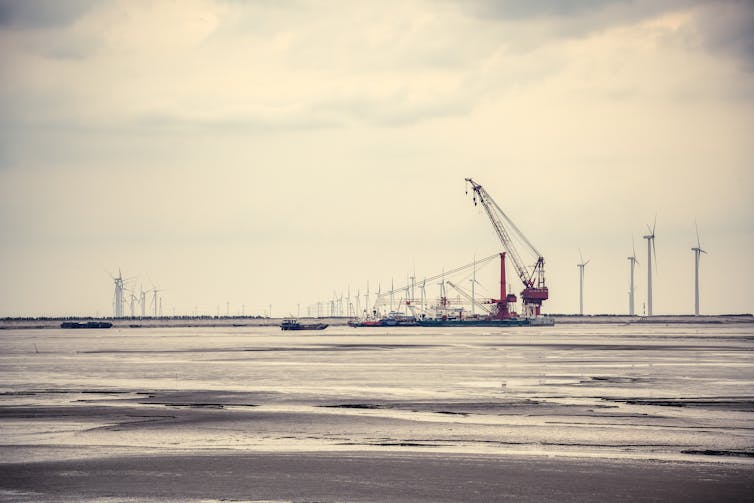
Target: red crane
(532, 276)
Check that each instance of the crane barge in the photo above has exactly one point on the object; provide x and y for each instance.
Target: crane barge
(500, 311)
(533, 277)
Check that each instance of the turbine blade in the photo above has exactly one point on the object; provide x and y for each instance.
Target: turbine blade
(580, 256)
(654, 224)
(698, 245)
(633, 244)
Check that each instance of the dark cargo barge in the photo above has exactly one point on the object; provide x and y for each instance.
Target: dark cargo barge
(87, 324)
(291, 324)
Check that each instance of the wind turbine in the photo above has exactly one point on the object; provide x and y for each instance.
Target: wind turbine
(632, 261)
(366, 302)
(424, 294)
(118, 295)
(473, 284)
(697, 253)
(154, 301)
(413, 287)
(650, 249)
(133, 299)
(392, 289)
(581, 267)
(407, 298)
(143, 299)
(443, 294)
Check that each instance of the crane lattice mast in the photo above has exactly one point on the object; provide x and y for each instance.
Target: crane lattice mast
(533, 277)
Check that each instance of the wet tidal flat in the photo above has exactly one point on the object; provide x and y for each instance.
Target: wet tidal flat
(564, 413)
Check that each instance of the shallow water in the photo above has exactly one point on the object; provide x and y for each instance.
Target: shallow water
(671, 392)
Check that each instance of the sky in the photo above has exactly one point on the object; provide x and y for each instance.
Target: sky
(259, 157)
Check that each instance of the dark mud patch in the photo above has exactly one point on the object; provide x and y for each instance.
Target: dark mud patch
(194, 405)
(70, 391)
(452, 413)
(207, 398)
(616, 347)
(613, 380)
(341, 347)
(357, 406)
(83, 413)
(713, 452)
(504, 407)
(393, 444)
(722, 403)
(438, 407)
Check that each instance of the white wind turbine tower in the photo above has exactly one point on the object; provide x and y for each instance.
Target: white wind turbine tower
(118, 295)
(143, 299)
(366, 302)
(650, 249)
(133, 299)
(632, 261)
(697, 253)
(404, 302)
(155, 299)
(413, 288)
(581, 267)
(474, 282)
(424, 294)
(392, 289)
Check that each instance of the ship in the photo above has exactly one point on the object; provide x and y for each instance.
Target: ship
(499, 311)
(478, 321)
(486, 322)
(394, 319)
(88, 324)
(293, 324)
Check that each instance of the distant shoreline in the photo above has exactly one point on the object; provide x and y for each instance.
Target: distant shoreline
(249, 321)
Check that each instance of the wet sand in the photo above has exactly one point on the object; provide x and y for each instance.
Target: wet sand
(578, 413)
(371, 477)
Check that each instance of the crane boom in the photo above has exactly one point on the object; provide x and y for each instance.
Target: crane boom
(532, 277)
(469, 298)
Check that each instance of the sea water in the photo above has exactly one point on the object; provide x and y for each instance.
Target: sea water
(634, 391)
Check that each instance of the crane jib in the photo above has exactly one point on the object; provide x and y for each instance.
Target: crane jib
(535, 290)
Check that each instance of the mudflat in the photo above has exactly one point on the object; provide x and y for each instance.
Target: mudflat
(576, 413)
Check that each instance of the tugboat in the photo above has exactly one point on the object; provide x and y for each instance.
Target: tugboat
(293, 324)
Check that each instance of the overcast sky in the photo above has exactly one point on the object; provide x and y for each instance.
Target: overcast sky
(270, 153)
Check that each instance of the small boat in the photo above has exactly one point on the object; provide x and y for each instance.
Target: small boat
(88, 324)
(292, 324)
